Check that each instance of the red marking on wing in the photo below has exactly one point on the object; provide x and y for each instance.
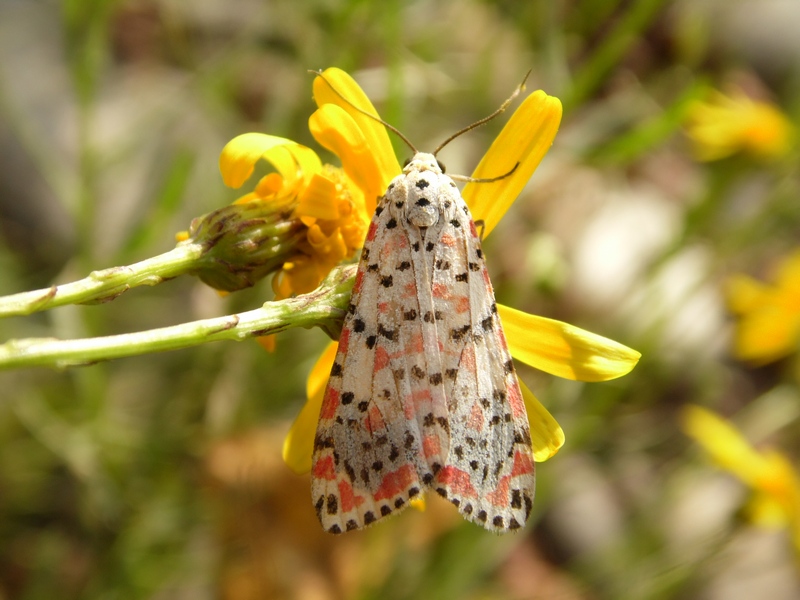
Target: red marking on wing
(398, 242)
(487, 281)
(409, 410)
(440, 290)
(499, 497)
(348, 498)
(415, 345)
(329, 403)
(344, 340)
(475, 418)
(417, 398)
(516, 401)
(373, 227)
(503, 342)
(431, 446)
(462, 304)
(421, 395)
(374, 420)
(383, 307)
(448, 240)
(458, 481)
(468, 359)
(410, 290)
(393, 244)
(395, 482)
(381, 358)
(523, 464)
(359, 281)
(323, 469)
(472, 229)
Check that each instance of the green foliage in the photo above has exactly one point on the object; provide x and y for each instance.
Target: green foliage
(160, 476)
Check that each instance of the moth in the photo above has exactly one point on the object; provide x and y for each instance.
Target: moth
(423, 393)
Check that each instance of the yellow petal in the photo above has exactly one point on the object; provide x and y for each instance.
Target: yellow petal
(547, 437)
(325, 92)
(788, 277)
(526, 138)
(724, 444)
(766, 335)
(724, 125)
(269, 185)
(334, 129)
(317, 200)
(744, 294)
(268, 342)
(299, 443)
(765, 511)
(239, 156)
(564, 350)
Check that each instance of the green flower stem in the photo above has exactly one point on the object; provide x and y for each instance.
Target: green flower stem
(105, 285)
(325, 307)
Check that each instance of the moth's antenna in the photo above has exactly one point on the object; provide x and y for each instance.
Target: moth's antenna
(503, 106)
(391, 128)
(484, 179)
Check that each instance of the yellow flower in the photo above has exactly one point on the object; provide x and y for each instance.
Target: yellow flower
(769, 474)
(724, 125)
(329, 204)
(551, 346)
(769, 315)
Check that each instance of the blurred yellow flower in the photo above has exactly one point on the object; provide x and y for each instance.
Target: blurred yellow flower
(769, 474)
(724, 125)
(768, 327)
(549, 345)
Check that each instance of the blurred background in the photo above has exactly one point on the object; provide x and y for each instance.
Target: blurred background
(674, 170)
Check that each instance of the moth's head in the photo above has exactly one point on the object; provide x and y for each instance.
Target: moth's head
(422, 161)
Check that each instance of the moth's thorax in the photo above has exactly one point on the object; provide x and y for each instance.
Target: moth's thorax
(423, 161)
(423, 195)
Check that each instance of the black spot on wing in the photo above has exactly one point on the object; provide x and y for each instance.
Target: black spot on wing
(331, 504)
(389, 334)
(458, 333)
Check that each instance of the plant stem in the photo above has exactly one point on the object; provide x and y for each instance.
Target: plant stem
(105, 285)
(325, 307)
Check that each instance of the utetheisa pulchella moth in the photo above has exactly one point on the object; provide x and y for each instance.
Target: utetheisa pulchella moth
(422, 394)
